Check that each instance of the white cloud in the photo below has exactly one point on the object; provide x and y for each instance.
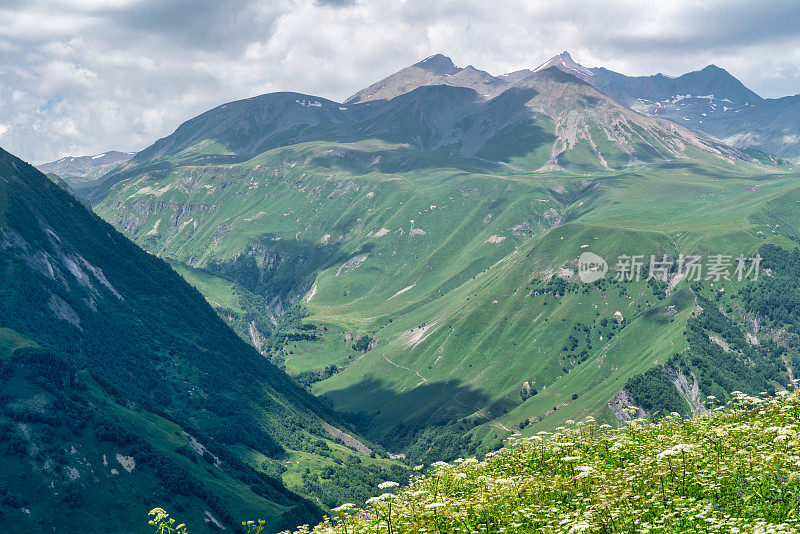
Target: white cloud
(86, 76)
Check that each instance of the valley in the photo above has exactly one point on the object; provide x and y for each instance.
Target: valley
(451, 250)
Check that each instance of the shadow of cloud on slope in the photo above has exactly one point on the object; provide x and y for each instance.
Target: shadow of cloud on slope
(512, 127)
(700, 169)
(443, 126)
(397, 420)
(281, 267)
(474, 136)
(402, 160)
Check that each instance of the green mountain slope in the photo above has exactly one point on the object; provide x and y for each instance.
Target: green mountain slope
(496, 352)
(121, 388)
(433, 242)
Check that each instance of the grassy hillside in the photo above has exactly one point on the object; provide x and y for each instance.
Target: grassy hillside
(729, 470)
(122, 388)
(458, 303)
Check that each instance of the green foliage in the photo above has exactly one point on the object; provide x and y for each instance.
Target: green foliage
(723, 359)
(349, 481)
(653, 391)
(777, 296)
(309, 378)
(435, 443)
(253, 527)
(164, 524)
(362, 343)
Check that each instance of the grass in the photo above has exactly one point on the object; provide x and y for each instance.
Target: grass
(217, 291)
(333, 348)
(11, 341)
(731, 469)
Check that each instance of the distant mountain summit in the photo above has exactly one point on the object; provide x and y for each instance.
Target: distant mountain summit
(82, 171)
(592, 130)
(564, 62)
(711, 79)
(81, 166)
(434, 70)
(710, 101)
(438, 64)
(247, 126)
(633, 91)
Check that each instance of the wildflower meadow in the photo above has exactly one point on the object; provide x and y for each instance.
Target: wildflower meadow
(733, 468)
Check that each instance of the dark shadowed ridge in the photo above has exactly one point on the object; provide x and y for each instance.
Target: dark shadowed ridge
(125, 358)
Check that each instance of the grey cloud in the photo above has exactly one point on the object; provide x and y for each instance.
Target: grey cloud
(336, 3)
(746, 26)
(205, 24)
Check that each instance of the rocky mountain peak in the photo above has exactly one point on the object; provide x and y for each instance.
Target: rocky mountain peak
(438, 64)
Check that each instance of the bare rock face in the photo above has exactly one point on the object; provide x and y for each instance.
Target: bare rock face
(689, 391)
(624, 408)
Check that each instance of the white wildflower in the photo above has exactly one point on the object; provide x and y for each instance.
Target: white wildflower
(343, 508)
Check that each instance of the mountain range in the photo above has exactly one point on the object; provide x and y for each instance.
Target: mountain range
(431, 234)
(546, 120)
(710, 101)
(336, 289)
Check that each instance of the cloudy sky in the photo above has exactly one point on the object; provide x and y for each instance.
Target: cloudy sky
(85, 76)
